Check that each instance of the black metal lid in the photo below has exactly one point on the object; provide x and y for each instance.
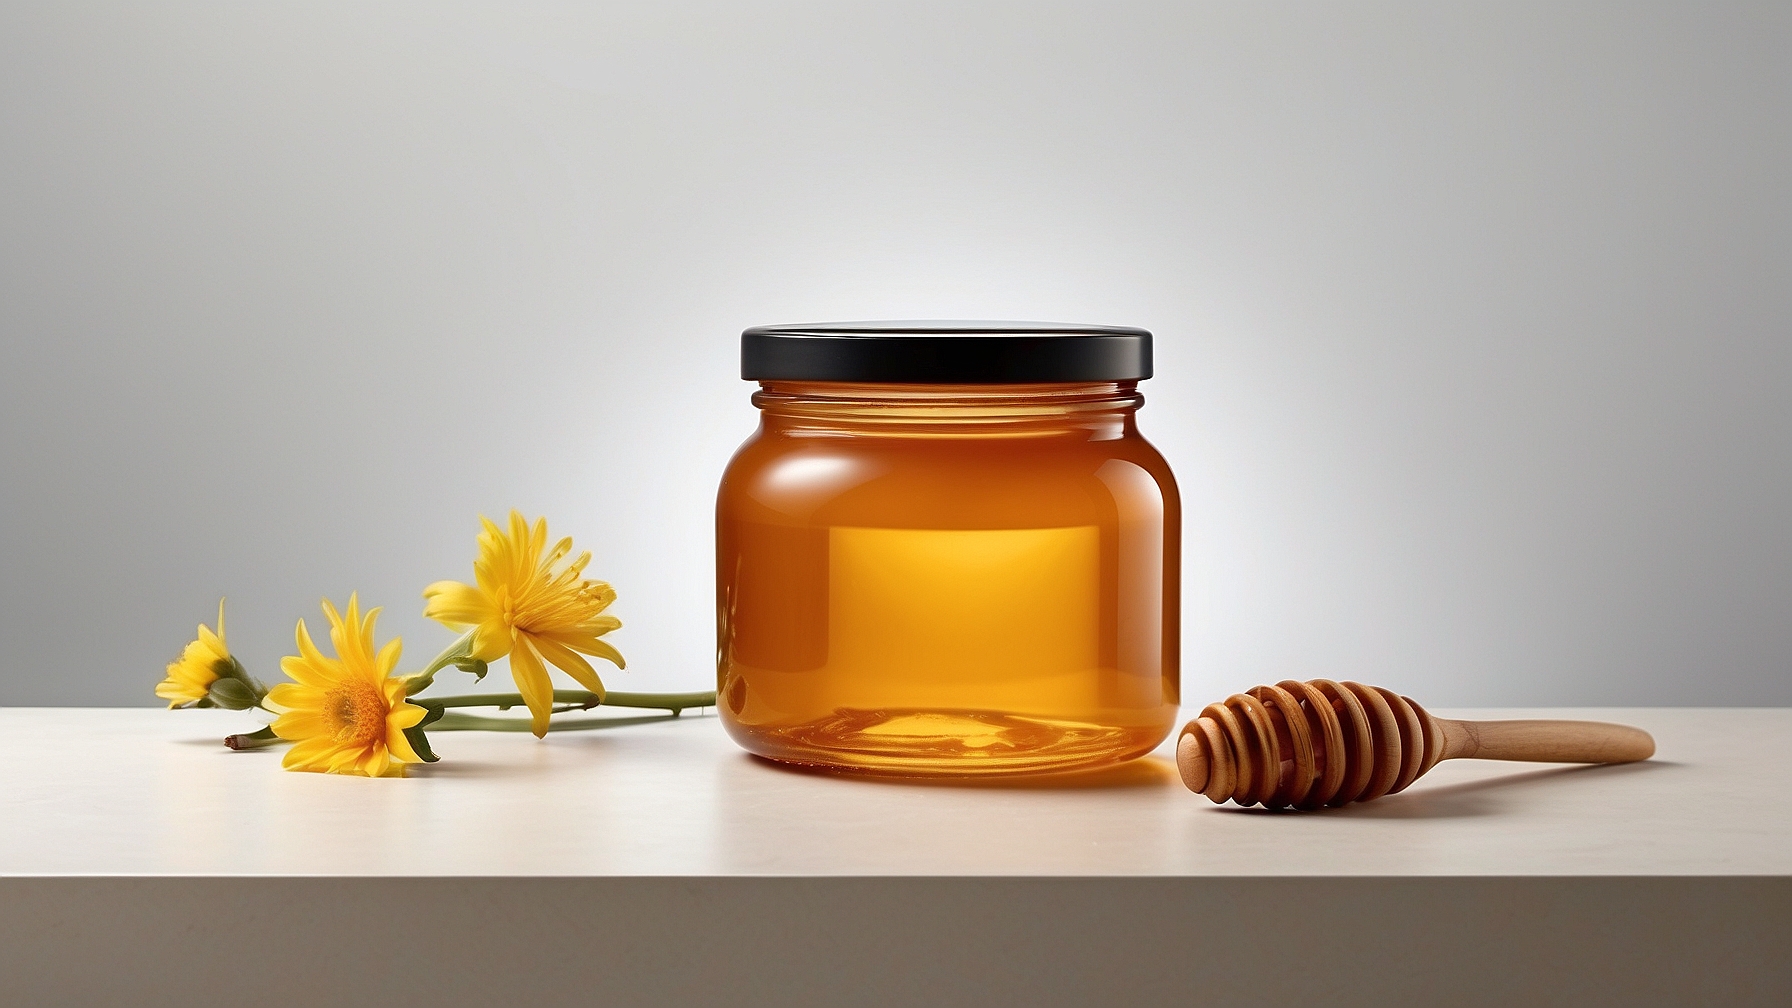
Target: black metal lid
(945, 352)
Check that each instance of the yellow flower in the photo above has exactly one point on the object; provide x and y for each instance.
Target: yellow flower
(346, 714)
(522, 608)
(200, 664)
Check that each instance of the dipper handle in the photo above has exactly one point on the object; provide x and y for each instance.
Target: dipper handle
(1545, 741)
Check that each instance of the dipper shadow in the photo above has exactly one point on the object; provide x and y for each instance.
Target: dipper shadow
(1145, 772)
(1488, 796)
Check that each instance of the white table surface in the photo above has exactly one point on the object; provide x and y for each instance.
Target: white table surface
(148, 792)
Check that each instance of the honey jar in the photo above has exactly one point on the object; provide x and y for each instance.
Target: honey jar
(947, 551)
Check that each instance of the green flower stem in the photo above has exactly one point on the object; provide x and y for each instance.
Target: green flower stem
(582, 699)
(459, 649)
(473, 722)
(254, 740)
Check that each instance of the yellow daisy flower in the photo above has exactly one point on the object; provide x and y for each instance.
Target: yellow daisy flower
(346, 714)
(200, 664)
(523, 608)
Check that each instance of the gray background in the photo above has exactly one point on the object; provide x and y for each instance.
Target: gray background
(1473, 319)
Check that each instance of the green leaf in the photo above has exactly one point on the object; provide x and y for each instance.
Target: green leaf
(233, 694)
(476, 666)
(419, 741)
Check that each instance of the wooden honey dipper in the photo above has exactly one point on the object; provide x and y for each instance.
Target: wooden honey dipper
(1318, 743)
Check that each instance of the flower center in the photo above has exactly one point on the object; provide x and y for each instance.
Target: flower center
(359, 712)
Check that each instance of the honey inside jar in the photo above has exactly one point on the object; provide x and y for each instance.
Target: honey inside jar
(947, 578)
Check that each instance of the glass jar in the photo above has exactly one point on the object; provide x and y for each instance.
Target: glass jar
(947, 551)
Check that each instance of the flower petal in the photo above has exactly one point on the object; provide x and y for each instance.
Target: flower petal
(485, 567)
(601, 595)
(212, 642)
(297, 696)
(365, 643)
(568, 661)
(596, 648)
(406, 715)
(348, 761)
(456, 605)
(176, 692)
(338, 639)
(521, 562)
(400, 746)
(588, 643)
(375, 763)
(295, 725)
(388, 657)
(533, 683)
(329, 668)
(309, 754)
(493, 641)
(308, 673)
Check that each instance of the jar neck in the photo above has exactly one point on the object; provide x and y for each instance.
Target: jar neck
(1099, 409)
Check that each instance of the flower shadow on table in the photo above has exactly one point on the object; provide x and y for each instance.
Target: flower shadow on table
(464, 768)
(1146, 772)
(1483, 797)
(217, 742)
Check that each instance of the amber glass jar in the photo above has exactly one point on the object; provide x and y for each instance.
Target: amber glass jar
(947, 551)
